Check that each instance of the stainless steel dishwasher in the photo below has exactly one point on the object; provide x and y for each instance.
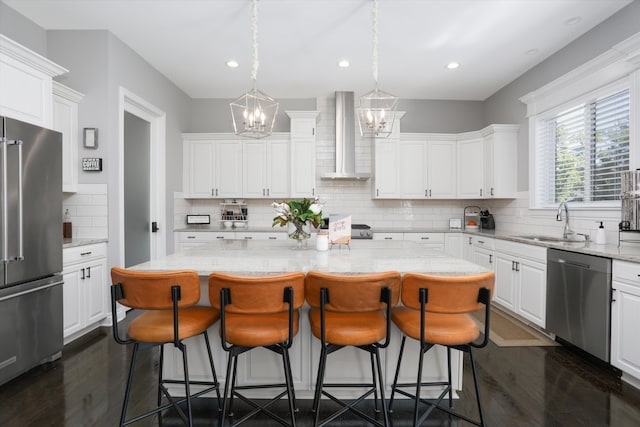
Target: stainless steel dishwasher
(579, 300)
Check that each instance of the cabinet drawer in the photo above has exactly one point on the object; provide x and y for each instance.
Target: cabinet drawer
(388, 236)
(205, 236)
(483, 242)
(248, 235)
(82, 253)
(425, 237)
(536, 253)
(626, 271)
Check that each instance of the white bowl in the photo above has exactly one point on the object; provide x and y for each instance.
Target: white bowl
(472, 227)
(227, 224)
(239, 224)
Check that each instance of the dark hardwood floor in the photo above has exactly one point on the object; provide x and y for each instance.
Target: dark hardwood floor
(520, 386)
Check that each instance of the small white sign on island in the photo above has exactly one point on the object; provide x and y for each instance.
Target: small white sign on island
(339, 229)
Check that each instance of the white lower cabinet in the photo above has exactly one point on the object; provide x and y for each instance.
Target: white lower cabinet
(85, 289)
(261, 235)
(434, 241)
(521, 280)
(453, 244)
(190, 239)
(625, 318)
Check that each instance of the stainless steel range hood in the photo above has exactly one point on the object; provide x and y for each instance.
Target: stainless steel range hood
(345, 140)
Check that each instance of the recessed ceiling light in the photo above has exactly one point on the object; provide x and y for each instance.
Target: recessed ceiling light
(452, 65)
(232, 64)
(572, 21)
(531, 51)
(343, 63)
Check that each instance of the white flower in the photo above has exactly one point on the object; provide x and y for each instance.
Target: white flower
(315, 208)
(282, 210)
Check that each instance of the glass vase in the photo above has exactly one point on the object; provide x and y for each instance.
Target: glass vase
(300, 232)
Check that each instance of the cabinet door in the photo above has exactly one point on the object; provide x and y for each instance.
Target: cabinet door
(484, 258)
(65, 121)
(532, 292)
(277, 172)
(303, 167)
(625, 318)
(95, 291)
(303, 128)
(412, 156)
(228, 168)
(254, 167)
(505, 287)
(470, 169)
(386, 170)
(453, 244)
(441, 169)
(501, 159)
(199, 169)
(72, 303)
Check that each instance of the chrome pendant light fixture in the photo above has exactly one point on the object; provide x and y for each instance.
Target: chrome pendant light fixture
(376, 112)
(254, 112)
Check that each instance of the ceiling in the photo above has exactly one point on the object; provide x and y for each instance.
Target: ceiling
(301, 41)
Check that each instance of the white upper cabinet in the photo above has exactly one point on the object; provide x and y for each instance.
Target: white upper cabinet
(386, 174)
(441, 169)
(266, 168)
(65, 121)
(26, 83)
(303, 153)
(470, 167)
(500, 161)
(211, 168)
(427, 168)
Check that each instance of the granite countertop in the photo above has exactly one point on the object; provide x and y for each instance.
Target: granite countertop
(627, 251)
(267, 257)
(72, 243)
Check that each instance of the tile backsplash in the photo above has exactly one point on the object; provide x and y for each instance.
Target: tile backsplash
(88, 209)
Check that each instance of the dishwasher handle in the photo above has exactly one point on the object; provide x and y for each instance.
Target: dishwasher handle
(573, 263)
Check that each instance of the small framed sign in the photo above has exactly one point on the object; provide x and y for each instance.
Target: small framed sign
(90, 138)
(92, 164)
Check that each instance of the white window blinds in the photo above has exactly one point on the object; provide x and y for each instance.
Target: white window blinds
(582, 150)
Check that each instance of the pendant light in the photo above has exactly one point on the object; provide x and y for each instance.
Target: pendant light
(376, 112)
(254, 113)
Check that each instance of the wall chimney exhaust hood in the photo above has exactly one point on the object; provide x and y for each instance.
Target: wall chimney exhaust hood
(345, 140)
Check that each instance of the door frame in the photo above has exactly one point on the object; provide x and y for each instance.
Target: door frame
(132, 103)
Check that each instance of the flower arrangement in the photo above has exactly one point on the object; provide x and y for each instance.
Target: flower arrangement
(298, 213)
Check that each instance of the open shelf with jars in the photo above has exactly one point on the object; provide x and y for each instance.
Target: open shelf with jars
(234, 214)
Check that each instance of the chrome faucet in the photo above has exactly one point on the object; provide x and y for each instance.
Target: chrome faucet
(568, 232)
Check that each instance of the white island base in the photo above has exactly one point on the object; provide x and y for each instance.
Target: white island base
(261, 366)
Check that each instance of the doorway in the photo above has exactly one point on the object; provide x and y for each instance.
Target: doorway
(141, 180)
(137, 187)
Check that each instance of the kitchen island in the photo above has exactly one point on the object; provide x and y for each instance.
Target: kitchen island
(271, 257)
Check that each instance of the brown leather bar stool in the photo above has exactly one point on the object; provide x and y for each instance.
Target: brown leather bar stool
(436, 312)
(351, 310)
(257, 311)
(170, 316)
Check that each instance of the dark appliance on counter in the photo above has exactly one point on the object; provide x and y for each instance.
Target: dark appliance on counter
(487, 221)
(579, 300)
(30, 247)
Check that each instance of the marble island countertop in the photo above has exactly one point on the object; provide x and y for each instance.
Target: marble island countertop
(267, 257)
(72, 243)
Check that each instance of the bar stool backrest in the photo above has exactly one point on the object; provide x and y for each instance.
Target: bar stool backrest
(256, 294)
(148, 290)
(446, 294)
(354, 293)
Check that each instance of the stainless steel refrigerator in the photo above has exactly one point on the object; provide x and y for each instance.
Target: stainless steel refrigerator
(30, 247)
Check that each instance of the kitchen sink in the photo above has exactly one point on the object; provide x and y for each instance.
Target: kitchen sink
(550, 239)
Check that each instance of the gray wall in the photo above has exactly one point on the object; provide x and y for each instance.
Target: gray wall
(441, 116)
(504, 106)
(214, 115)
(23, 30)
(100, 65)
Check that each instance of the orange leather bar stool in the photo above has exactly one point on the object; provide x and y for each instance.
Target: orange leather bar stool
(436, 312)
(257, 311)
(170, 316)
(351, 310)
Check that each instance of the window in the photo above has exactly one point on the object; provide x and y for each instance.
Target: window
(581, 150)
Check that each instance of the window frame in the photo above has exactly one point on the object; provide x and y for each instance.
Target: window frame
(538, 121)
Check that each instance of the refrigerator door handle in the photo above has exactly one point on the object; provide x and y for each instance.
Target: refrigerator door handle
(5, 238)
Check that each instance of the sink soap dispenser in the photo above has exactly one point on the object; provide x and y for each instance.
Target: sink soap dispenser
(601, 237)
